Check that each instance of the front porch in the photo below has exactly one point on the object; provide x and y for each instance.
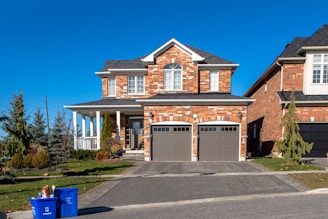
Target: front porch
(127, 122)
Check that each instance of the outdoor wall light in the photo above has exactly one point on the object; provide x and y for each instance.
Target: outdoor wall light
(240, 115)
(151, 115)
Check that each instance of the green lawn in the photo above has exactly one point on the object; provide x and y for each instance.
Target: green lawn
(310, 180)
(278, 164)
(15, 197)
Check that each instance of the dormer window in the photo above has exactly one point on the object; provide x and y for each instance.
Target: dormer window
(172, 77)
(320, 69)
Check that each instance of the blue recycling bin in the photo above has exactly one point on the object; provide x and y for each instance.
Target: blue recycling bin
(67, 202)
(44, 208)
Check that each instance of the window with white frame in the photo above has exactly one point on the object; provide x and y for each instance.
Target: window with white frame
(136, 84)
(214, 81)
(172, 77)
(320, 69)
(111, 86)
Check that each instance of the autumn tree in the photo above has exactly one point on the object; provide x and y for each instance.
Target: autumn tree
(15, 124)
(292, 146)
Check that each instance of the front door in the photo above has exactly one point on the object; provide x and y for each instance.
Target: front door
(135, 133)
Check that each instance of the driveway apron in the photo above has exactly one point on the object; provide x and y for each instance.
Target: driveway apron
(176, 181)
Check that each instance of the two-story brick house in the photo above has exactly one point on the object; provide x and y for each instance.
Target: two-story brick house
(303, 68)
(174, 103)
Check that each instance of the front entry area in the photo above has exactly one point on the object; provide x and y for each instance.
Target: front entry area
(218, 142)
(171, 142)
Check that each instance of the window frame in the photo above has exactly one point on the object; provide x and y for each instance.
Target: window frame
(320, 69)
(214, 85)
(109, 86)
(172, 76)
(136, 85)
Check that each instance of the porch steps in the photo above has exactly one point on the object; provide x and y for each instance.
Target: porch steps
(133, 155)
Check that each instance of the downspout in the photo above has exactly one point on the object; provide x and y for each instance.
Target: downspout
(281, 74)
(283, 114)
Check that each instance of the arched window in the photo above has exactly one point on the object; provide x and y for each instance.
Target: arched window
(172, 77)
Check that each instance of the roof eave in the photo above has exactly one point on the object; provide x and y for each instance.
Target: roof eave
(196, 101)
(110, 71)
(217, 66)
(312, 48)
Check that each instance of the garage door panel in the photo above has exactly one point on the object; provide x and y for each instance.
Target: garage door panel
(218, 143)
(171, 143)
(318, 134)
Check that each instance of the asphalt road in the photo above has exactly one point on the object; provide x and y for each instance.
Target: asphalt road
(288, 205)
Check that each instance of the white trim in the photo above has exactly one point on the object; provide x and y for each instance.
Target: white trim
(219, 66)
(195, 100)
(312, 48)
(102, 106)
(219, 122)
(306, 102)
(150, 58)
(171, 123)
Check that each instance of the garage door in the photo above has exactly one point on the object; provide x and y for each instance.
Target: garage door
(218, 143)
(318, 134)
(171, 143)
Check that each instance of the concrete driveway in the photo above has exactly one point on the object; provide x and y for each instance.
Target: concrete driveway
(155, 182)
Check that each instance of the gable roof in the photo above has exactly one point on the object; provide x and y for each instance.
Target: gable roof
(140, 63)
(293, 52)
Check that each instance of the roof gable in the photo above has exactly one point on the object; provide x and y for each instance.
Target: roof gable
(319, 38)
(173, 42)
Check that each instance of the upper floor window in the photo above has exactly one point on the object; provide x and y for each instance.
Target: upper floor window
(214, 81)
(111, 86)
(320, 69)
(172, 77)
(136, 84)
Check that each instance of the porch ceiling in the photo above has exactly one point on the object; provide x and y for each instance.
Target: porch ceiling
(111, 105)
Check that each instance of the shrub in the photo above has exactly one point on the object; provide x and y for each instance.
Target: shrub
(102, 155)
(27, 160)
(41, 160)
(16, 161)
(6, 177)
(83, 154)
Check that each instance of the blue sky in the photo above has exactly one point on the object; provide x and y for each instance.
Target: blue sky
(53, 48)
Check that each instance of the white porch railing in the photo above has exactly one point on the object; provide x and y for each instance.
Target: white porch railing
(87, 143)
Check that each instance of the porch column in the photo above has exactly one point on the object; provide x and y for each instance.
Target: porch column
(75, 129)
(83, 131)
(91, 126)
(98, 129)
(118, 124)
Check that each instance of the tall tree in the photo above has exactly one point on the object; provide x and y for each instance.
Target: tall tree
(292, 146)
(55, 147)
(15, 124)
(106, 131)
(38, 129)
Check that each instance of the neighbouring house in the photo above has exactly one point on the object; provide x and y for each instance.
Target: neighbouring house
(174, 104)
(301, 68)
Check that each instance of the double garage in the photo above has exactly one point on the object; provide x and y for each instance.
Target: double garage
(217, 141)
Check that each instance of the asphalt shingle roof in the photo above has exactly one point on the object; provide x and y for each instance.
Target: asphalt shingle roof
(110, 101)
(300, 96)
(137, 63)
(202, 96)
